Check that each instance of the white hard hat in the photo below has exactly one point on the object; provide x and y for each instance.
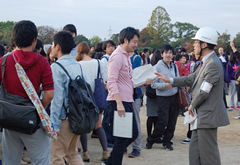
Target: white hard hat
(207, 34)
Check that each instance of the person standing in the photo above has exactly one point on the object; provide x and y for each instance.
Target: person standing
(64, 147)
(73, 31)
(120, 93)
(206, 84)
(166, 99)
(24, 37)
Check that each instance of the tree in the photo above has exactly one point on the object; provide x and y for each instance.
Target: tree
(81, 38)
(237, 40)
(94, 40)
(223, 41)
(6, 32)
(182, 33)
(145, 38)
(115, 38)
(46, 33)
(158, 26)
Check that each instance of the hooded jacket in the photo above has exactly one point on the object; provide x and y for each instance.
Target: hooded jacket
(36, 67)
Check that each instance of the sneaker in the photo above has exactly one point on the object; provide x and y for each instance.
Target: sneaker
(23, 162)
(237, 117)
(149, 145)
(186, 141)
(135, 153)
(238, 107)
(230, 108)
(168, 147)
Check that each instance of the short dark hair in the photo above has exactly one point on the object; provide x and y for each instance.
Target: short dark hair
(70, 28)
(104, 46)
(39, 44)
(178, 57)
(65, 40)
(145, 50)
(166, 48)
(23, 34)
(128, 33)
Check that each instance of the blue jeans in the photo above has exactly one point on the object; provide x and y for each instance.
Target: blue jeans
(120, 144)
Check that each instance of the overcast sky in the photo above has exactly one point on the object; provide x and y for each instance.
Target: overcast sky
(95, 17)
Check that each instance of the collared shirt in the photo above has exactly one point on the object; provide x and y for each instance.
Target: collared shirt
(104, 63)
(206, 57)
(120, 76)
(61, 81)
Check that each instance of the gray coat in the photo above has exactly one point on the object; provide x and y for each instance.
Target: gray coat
(210, 106)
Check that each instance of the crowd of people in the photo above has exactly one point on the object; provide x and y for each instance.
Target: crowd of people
(175, 67)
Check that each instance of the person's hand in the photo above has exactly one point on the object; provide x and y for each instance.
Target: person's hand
(190, 112)
(237, 82)
(167, 85)
(162, 77)
(232, 44)
(121, 110)
(149, 81)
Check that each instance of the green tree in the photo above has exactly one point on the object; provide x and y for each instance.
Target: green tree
(115, 38)
(81, 38)
(223, 41)
(94, 40)
(237, 40)
(6, 32)
(159, 25)
(181, 33)
(46, 33)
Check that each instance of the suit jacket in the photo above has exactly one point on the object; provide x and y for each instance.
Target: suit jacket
(210, 106)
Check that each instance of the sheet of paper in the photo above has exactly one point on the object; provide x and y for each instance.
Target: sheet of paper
(142, 73)
(122, 126)
(193, 125)
(189, 118)
(222, 59)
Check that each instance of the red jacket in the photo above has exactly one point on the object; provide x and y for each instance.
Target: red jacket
(183, 71)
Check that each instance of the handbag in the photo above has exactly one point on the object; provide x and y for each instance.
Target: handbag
(16, 112)
(183, 97)
(33, 96)
(100, 93)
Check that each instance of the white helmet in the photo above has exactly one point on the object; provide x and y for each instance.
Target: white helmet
(207, 34)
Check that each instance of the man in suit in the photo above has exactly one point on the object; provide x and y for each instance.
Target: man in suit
(206, 85)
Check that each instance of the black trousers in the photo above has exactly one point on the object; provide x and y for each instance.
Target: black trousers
(167, 117)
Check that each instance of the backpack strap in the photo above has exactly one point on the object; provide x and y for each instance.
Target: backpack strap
(104, 57)
(64, 69)
(175, 69)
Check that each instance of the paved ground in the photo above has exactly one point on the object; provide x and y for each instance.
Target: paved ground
(228, 138)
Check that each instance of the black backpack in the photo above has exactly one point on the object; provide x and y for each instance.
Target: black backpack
(83, 113)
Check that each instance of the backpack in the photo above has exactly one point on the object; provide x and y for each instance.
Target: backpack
(83, 113)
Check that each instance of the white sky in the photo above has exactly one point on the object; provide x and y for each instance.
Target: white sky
(95, 17)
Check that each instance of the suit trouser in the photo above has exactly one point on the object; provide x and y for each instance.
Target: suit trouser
(65, 147)
(37, 144)
(203, 149)
(137, 144)
(167, 119)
